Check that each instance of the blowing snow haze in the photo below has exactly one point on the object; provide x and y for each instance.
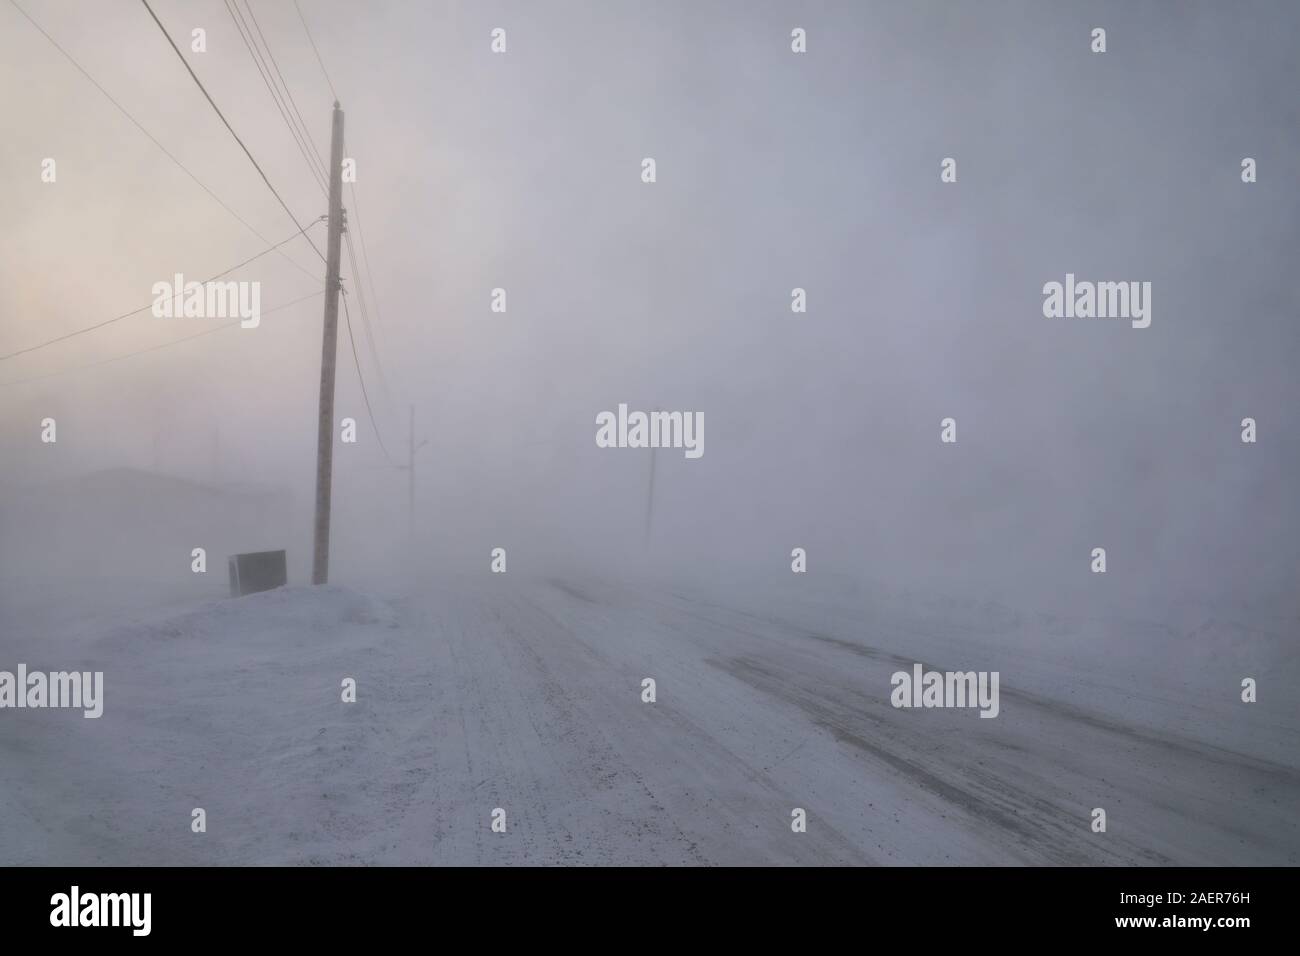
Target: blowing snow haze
(962, 298)
(522, 172)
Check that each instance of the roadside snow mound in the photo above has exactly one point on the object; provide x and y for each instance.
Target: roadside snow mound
(233, 706)
(283, 611)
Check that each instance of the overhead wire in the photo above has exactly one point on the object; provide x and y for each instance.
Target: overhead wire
(286, 105)
(222, 116)
(155, 348)
(264, 71)
(366, 324)
(312, 41)
(153, 139)
(362, 380)
(293, 103)
(365, 255)
(127, 315)
(360, 278)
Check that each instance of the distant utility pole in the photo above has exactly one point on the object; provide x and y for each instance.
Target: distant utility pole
(650, 497)
(320, 568)
(410, 472)
(409, 468)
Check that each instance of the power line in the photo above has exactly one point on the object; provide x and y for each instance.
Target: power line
(361, 280)
(360, 378)
(365, 255)
(264, 71)
(356, 273)
(374, 294)
(126, 315)
(288, 92)
(365, 321)
(153, 139)
(164, 345)
(316, 51)
(217, 110)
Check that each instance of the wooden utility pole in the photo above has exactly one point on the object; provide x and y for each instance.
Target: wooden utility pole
(320, 568)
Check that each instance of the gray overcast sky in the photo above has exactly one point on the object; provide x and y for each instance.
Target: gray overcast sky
(775, 170)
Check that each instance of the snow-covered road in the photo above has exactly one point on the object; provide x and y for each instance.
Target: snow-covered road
(523, 695)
